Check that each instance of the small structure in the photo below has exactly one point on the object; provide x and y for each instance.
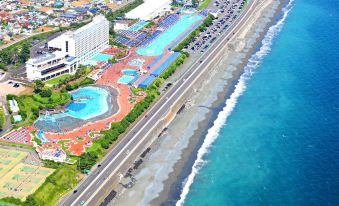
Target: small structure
(17, 118)
(149, 9)
(13, 105)
(121, 25)
(55, 154)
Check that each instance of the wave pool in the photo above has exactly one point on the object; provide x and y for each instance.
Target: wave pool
(88, 102)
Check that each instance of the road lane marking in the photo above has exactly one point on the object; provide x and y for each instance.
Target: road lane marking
(155, 114)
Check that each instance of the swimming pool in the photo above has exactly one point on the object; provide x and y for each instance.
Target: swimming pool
(125, 79)
(90, 63)
(130, 72)
(187, 10)
(157, 46)
(136, 62)
(137, 26)
(42, 137)
(102, 57)
(88, 102)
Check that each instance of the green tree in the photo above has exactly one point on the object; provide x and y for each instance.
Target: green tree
(119, 55)
(38, 85)
(24, 53)
(30, 201)
(69, 87)
(46, 93)
(2, 66)
(5, 57)
(87, 160)
(113, 60)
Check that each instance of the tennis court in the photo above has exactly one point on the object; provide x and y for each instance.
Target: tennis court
(8, 159)
(18, 179)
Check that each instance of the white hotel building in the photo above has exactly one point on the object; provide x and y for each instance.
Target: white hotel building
(72, 49)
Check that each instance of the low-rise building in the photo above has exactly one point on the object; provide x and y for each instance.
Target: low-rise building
(121, 25)
(55, 154)
(50, 65)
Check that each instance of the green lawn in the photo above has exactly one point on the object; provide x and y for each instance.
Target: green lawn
(13, 144)
(57, 79)
(7, 204)
(96, 147)
(56, 185)
(2, 118)
(30, 104)
(204, 4)
(62, 143)
(56, 98)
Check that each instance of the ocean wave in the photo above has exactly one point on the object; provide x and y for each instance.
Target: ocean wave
(240, 87)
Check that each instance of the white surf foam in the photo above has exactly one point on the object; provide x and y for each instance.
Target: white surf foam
(240, 87)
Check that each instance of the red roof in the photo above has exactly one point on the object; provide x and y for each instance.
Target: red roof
(4, 14)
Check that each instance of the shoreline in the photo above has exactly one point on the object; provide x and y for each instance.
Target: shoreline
(184, 167)
(172, 185)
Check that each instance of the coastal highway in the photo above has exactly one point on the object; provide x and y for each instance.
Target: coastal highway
(91, 190)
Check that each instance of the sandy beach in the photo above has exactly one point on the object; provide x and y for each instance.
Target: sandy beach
(159, 179)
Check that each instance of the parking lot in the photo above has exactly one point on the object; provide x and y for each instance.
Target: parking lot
(226, 11)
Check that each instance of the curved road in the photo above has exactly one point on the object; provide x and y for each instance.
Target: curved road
(135, 140)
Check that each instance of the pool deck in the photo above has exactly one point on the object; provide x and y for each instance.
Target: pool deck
(79, 138)
(75, 140)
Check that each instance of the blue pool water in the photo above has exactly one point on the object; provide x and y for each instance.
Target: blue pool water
(76, 106)
(125, 79)
(136, 62)
(90, 63)
(130, 72)
(42, 137)
(102, 57)
(157, 46)
(88, 102)
(137, 26)
(277, 142)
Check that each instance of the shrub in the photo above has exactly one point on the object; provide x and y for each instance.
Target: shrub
(68, 87)
(46, 93)
(87, 160)
(10, 97)
(188, 39)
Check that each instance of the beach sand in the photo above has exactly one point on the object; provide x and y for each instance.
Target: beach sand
(173, 154)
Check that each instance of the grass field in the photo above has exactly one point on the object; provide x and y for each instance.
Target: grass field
(2, 117)
(204, 4)
(14, 144)
(96, 147)
(57, 79)
(29, 105)
(58, 184)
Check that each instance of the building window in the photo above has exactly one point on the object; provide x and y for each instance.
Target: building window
(66, 46)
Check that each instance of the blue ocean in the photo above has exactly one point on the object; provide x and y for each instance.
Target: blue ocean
(276, 141)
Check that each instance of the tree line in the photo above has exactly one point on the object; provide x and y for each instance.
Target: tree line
(88, 159)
